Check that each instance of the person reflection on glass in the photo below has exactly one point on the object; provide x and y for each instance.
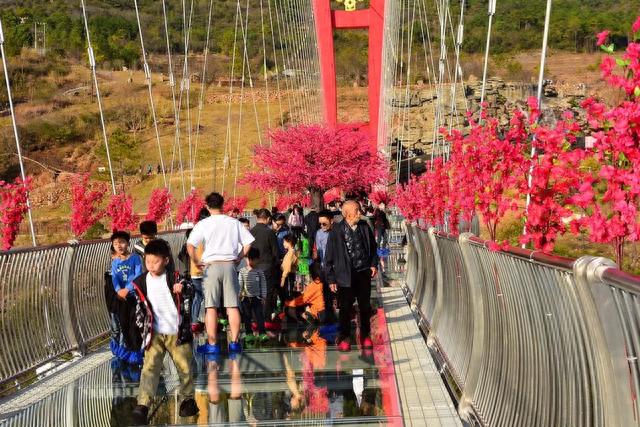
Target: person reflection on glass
(309, 401)
(235, 413)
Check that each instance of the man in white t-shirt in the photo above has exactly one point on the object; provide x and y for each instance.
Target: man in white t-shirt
(226, 241)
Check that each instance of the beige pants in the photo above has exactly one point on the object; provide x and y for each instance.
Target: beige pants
(153, 358)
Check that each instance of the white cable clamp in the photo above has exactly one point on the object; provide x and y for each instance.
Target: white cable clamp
(92, 58)
(460, 34)
(492, 7)
(1, 34)
(147, 71)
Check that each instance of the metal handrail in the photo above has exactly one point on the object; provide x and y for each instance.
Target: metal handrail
(529, 338)
(52, 301)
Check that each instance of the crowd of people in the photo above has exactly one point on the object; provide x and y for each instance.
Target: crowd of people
(286, 271)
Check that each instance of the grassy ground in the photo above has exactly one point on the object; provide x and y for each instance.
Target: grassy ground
(121, 89)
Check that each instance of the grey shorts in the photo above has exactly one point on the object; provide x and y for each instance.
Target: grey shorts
(220, 280)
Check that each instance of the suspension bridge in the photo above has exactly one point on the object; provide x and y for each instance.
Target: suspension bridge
(463, 335)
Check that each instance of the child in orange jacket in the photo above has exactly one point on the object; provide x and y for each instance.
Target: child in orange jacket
(310, 305)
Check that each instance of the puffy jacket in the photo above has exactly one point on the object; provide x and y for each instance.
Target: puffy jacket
(144, 310)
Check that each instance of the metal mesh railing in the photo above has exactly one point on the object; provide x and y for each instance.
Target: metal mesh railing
(52, 301)
(526, 338)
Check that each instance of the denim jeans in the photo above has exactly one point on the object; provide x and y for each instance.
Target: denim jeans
(252, 306)
(198, 296)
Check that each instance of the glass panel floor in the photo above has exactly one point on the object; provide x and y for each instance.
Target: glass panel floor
(297, 377)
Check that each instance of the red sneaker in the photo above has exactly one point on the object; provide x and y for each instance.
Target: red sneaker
(344, 346)
(367, 343)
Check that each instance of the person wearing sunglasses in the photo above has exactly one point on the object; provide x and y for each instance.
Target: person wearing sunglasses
(325, 220)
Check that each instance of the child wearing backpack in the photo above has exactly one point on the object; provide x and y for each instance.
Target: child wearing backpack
(167, 329)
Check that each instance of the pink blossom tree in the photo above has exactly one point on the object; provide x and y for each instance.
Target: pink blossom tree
(120, 211)
(487, 165)
(190, 207)
(86, 198)
(13, 202)
(160, 203)
(555, 177)
(609, 197)
(314, 159)
(425, 197)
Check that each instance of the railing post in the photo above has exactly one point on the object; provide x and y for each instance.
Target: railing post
(72, 331)
(465, 408)
(439, 278)
(606, 334)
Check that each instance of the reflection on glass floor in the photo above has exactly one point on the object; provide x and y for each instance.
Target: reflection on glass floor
(297, 377)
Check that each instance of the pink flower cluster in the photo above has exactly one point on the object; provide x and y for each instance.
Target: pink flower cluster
(13, 203)
(86, 198)
(160, 204)
(120, 211)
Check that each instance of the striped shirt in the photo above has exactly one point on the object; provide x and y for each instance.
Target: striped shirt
(252, 283)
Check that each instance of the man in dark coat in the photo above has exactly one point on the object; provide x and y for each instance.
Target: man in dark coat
(351, 262)
(267, 243)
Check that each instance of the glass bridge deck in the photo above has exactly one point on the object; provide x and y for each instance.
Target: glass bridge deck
(298, 377)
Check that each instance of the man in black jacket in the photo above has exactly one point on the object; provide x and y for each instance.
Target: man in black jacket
(267, 243)
(351, 262)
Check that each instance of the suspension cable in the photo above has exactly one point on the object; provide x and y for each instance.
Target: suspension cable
(543, 56)
(264, 64)
(492, 11)
(147, 75)
(176, 114)
(16, 135)
(244, 63)
(275, 60)
(227, 145)
(285, 54)
(203, 81)
(92, 65)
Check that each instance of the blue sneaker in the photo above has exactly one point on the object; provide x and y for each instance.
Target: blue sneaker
(209, 349)
(235, 347)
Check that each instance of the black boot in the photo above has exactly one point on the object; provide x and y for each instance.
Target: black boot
(188, 408)
(140, 414)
